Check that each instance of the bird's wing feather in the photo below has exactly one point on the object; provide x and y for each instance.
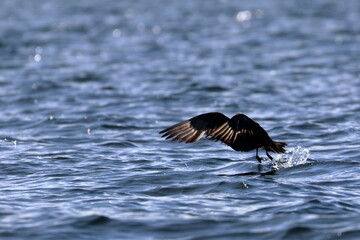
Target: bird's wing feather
(239, 127)
(193, 129)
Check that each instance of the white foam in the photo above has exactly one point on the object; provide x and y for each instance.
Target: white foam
(292, 157)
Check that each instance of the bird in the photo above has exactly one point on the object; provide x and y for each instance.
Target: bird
(240, 132)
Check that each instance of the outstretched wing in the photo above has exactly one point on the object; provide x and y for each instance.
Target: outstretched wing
(241, 133)
(193, 129)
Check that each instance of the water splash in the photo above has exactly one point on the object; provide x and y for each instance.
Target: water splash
(292, 157)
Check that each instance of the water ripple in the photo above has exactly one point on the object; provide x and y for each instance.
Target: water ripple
(86, 86)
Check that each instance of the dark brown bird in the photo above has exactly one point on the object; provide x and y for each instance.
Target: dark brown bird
(240, 132)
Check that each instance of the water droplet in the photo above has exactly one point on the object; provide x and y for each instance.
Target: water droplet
(116, 33)
(243, 16)
(37, 58)
(156, 30)
(38, 50)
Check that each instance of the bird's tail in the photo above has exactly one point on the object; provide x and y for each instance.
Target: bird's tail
(277, 147)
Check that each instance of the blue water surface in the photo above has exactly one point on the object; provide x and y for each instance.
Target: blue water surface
(86, 85)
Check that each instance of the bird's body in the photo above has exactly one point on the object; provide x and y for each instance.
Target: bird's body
(240, 132)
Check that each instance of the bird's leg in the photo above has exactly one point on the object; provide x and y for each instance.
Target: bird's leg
(257, 156)
(269, 155)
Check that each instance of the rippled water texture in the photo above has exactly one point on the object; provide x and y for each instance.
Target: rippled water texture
(85, 87)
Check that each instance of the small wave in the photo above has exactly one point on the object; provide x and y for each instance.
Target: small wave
(292, 157)
(85, 77)
(92, 220)
(119, 144)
